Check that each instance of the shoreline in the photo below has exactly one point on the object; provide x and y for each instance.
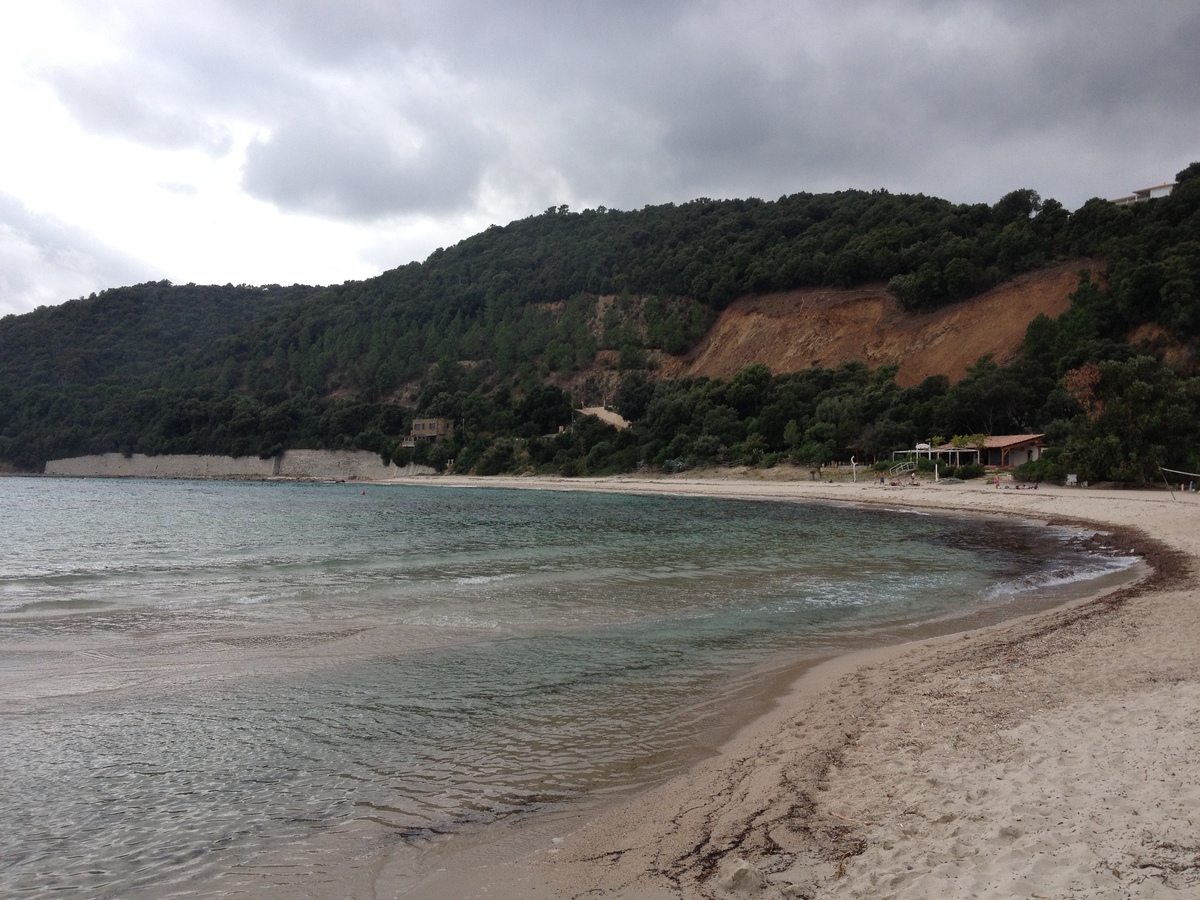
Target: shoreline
(828, 793)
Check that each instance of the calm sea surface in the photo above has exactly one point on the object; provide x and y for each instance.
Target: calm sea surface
(196, 674)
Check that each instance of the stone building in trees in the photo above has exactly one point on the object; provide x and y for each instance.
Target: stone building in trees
(429, 431)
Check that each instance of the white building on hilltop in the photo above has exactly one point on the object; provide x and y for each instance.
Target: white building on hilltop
(1150, 193)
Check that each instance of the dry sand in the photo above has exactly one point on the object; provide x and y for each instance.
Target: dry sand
(1052, 756)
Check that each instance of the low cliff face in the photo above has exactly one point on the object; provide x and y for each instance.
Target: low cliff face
(822, 327)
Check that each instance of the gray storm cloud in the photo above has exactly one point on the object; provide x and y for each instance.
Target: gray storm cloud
(623, 103)
(45, 261)
(110, 102)
(360, 169)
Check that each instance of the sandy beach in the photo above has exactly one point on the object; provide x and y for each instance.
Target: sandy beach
(1051, 756)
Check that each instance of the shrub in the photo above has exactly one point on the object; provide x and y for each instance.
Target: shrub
(469, 456)
(495, 459)
(811, 453)
(1044, 469)
(706, 449)
(439, 455)
(749, 452)
(598, 456)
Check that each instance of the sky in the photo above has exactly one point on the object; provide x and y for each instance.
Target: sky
(297, 141)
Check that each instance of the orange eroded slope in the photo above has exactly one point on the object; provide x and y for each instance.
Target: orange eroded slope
(819, 326)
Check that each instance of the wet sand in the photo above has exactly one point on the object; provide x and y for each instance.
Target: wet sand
(1050, 756)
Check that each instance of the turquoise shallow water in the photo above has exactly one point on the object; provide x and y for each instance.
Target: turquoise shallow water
(195, 674)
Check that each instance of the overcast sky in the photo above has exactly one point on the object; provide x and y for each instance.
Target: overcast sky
(283, 141)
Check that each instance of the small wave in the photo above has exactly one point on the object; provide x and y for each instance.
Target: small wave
(454, 621)
(842, 593)
(1057, 577)
(484, 579)
(55, 606)
(186, 602)
(250, 601)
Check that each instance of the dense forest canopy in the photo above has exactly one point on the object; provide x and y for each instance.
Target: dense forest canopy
(484, 331)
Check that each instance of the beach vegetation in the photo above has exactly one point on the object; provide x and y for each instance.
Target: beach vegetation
(1048, 468)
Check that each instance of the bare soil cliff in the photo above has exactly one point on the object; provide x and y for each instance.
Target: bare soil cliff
(801, 329)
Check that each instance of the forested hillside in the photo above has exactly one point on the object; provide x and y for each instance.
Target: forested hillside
(486, 331)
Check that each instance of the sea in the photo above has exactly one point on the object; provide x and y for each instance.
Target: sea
(206, 687)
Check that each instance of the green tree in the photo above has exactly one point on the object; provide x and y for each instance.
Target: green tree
(1140, 415)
